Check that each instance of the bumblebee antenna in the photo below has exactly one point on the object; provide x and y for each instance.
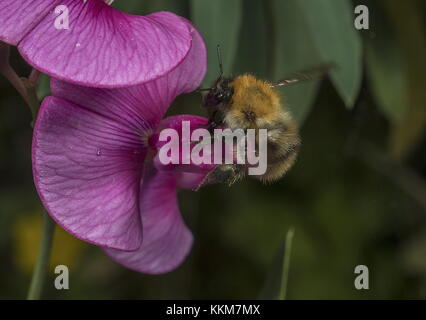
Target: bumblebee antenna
(219, 59)
(202, 89)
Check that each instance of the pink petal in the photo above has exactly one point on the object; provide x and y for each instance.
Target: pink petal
(89, 145)
(190, 180)
(151, 99)
(103, 46)
(166, 239)
(87, 170)
(17, 18)
(189, 75)
(139, 107)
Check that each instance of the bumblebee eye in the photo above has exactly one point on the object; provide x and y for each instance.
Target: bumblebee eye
(227, 94)
(219, 95)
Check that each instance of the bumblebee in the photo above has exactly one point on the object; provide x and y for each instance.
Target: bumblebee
(246, 102)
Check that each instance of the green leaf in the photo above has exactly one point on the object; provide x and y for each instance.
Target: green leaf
(276, 284)
(411, 36)
(143, 7)
(332, 25)
(386, 70)
(295, 50)
(219, 22)
(325, 27)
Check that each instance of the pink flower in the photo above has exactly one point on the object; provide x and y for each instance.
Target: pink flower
(102, 46)
(93, 169)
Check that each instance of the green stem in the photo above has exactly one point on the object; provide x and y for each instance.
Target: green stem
(14, 79)
(31, 97)
(42, 264)
(7, 71)
(27, 89)
(286, 268)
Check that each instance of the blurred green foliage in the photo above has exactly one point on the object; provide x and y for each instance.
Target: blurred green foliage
(356, 195)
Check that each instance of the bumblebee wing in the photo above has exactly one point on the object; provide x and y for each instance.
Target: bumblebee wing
(306, 75)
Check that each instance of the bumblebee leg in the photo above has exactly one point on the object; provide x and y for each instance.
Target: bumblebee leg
(227, 173)
(212, 125)
(215, 120)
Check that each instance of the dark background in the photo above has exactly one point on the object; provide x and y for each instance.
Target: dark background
(357, 194)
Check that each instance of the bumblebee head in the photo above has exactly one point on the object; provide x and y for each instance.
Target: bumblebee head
(220, 92)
